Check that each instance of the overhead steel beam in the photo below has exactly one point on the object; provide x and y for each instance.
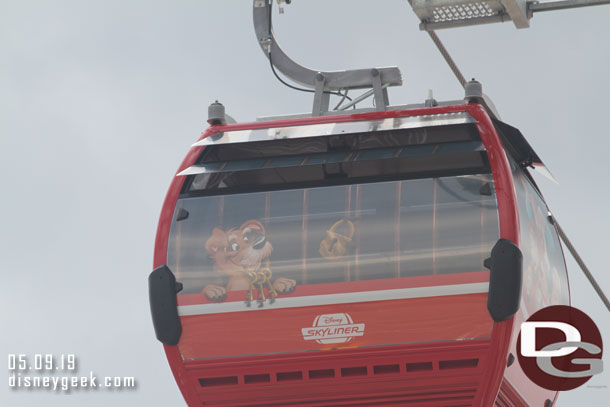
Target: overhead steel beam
(535, 6)
(441, 14)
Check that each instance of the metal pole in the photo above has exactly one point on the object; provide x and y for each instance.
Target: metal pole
(562, 5)
(583, 267)
(360, 98)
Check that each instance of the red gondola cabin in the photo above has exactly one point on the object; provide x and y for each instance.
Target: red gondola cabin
(375, 259)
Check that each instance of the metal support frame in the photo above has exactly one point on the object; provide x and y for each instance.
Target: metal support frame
(376, 78)
(441, 14)
(438, 14)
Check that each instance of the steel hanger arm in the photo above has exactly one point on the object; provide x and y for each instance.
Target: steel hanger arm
(333, 80)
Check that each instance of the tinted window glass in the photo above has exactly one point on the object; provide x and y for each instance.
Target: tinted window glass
(336, 234)
(336, 160)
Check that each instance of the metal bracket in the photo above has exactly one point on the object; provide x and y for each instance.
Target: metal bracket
(332, 80)
(381, 93)
(321, 99)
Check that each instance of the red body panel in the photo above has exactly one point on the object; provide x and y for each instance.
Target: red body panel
(521, 385)
(417, 375)
(420, 320)
(429, 366)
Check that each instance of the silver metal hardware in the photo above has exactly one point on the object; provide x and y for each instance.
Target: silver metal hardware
(332, 80)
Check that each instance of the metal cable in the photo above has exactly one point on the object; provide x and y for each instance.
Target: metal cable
(447, 57)
(343, 100)
(582, 265)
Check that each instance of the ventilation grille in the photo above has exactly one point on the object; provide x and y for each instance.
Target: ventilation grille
(397, 369)
(435, 14)
(461, 12)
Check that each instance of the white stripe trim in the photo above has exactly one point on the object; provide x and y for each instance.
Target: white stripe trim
(343, 298)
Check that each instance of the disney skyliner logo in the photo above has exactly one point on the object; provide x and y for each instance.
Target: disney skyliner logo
(333, 328)
(559, 347)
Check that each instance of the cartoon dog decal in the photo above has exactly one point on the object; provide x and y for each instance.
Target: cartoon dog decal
(338, 240)
(238, 254)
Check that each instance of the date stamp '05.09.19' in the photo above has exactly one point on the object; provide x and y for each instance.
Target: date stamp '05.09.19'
(58, 373)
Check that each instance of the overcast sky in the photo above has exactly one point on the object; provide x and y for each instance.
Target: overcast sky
(100, 100)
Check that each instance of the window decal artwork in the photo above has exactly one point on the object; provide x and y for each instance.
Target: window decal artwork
(238, 254)
(338, 240)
